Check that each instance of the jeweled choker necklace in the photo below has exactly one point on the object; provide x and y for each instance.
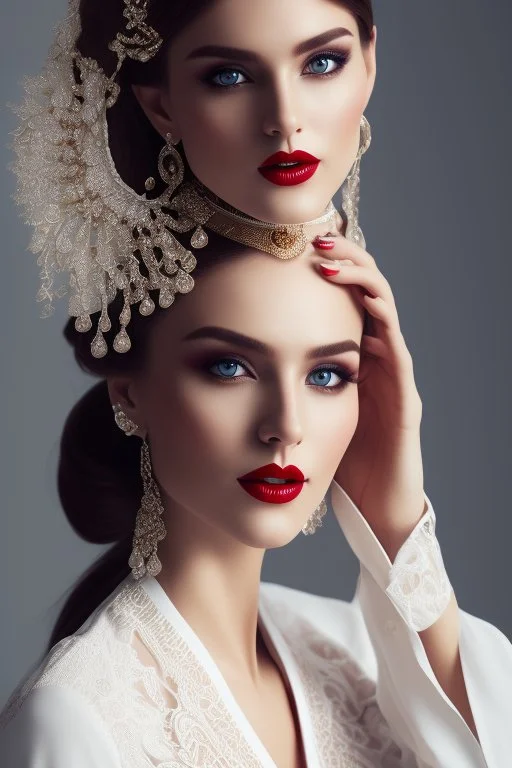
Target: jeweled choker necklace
(285, 241)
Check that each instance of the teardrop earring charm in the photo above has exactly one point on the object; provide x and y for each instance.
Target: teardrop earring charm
(315, 521)
(199, 239)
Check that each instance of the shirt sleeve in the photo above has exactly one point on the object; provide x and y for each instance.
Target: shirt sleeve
(397, 600)
(56, 728)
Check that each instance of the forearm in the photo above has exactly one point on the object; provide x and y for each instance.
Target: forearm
(441, 644)
(441, 639)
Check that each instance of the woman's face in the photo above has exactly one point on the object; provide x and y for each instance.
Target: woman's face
(233, 383)
(249, 78)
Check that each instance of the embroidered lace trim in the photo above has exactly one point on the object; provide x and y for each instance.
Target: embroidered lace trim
(162, 710)
(155, 699)
(419, 586)
(349, 727)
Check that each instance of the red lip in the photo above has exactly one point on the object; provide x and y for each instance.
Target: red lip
(299, 156)
(271, 493)
(295, 174)
(273, 470)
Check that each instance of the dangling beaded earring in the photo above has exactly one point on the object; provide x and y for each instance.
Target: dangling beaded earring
(172, 170)
(149, 525)
(170, 166)
(350, 188)
(315, 521)
(123, 422)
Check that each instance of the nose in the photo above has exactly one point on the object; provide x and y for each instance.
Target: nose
(282, 116)
(281, 423)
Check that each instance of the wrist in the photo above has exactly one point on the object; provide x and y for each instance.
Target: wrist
(394, 533)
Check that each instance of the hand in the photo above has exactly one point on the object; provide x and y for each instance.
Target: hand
(382, 469)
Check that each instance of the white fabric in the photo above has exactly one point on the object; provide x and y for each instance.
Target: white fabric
(418, 583)
(136, 688)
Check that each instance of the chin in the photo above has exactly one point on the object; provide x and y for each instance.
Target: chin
(269, 534)
(287, 213)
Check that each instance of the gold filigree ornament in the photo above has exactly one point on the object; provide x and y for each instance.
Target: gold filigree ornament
(284, 241)
(138, 41)
(87, 221)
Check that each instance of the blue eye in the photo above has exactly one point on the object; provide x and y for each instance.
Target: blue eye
(226, 78)
(324, 377)
(323, 64)
(327, 64)
(227, 368)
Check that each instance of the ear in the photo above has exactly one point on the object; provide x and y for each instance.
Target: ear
(369, 55)
(154, 104)
(122, 391)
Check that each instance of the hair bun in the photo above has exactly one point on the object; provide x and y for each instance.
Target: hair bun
(99, 482)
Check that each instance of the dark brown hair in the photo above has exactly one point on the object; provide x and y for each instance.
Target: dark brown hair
(98, 477)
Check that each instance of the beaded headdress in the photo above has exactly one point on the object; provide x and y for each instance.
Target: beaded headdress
(89, 223)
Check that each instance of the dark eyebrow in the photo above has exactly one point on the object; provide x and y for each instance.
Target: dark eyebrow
(242, 55)
(232, 337)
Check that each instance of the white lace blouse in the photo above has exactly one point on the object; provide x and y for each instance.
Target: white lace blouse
(135, 687)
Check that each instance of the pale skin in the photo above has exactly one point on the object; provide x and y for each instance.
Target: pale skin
(212, 558)
(382, 469)
(204, 432)
(277, 102)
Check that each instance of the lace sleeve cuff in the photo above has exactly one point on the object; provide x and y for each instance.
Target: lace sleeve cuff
(417, 582)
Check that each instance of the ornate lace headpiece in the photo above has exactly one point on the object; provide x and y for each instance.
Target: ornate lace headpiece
(88, 222)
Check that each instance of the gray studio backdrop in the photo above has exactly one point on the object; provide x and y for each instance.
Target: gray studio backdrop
(435, 209)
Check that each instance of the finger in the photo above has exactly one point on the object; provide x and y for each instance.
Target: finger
(338, 247)
(370, 345)
(378, 309)
(386, 326)
(394, 356)
(368, 278)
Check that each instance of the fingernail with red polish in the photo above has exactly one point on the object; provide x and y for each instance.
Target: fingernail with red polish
(328, 270)
(323, 244)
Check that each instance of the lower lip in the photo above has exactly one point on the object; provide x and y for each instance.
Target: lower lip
(289, 177)
(272, 493)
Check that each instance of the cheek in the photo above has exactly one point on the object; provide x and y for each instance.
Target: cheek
(228, 132)
(202, 112)
(335, 429)
(338, 124)
(192, 439)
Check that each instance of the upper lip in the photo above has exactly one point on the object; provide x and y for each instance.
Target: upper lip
(273, 470)
(299, 156)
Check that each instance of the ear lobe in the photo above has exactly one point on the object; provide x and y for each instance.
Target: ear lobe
(150, 98)
(120, 391)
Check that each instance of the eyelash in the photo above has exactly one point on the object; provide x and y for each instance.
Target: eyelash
(341, 59)
(343, 373)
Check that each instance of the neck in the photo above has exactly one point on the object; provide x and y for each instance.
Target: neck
(214, 583)
(284, 241)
